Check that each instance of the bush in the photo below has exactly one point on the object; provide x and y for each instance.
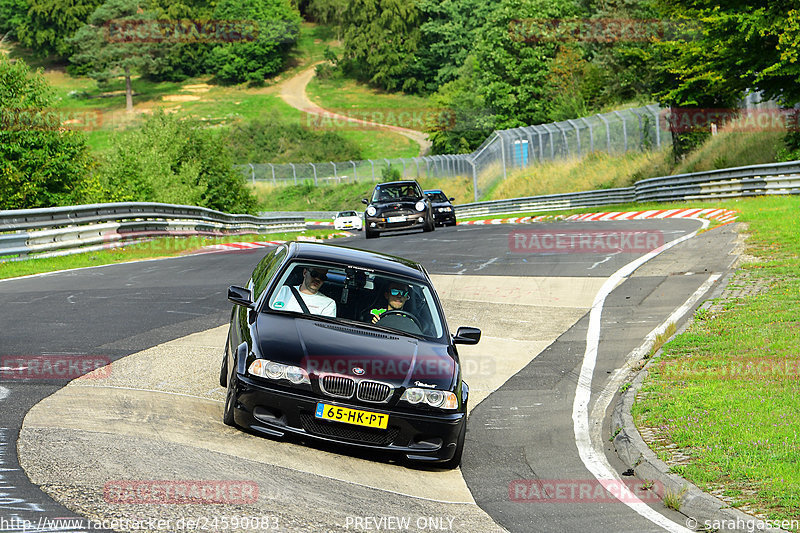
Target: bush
(265, 55)
(173, 161)
(272, 140)
(42, 164)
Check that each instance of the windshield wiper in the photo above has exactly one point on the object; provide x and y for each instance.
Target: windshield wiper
(384, 329)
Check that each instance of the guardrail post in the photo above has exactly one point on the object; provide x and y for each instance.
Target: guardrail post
(656, 116)
(315, 173)
(624, 128)
(591, 134)
(503, 153)
(552, 143)
(294, 173)
(474, 180)
(608, 133)
(577, 135)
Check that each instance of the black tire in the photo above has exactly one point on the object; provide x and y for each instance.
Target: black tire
(223, 370)
(371, 234)
(430, 226)
(456, 460)
(227, 411)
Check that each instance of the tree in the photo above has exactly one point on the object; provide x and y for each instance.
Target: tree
(174, 161)
(448, 32)
(512, 70)
(278, 25)
(116, 40)
(12, 14)
(42, 164)
(381, 38)
(47, 25)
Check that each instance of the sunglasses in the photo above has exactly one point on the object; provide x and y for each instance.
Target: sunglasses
(316, 274)
(399, 292)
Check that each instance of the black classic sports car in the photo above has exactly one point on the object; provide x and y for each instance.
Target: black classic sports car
(442, 206)
(347, 346)
(397, 205)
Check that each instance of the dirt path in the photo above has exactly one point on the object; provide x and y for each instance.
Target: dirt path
(293, 92)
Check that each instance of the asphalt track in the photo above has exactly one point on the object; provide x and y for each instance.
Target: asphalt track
(533, 310)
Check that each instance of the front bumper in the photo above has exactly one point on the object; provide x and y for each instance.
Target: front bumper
(276, 412)
(382, 223)
(445, 218)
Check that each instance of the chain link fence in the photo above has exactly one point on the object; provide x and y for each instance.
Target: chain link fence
(503, 152)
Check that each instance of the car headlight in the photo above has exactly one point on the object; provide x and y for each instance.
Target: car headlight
(277, 371)
(371, 211)
(434, 398)
(445, 209)
(420, 206)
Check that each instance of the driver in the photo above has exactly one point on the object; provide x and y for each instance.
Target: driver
(317, 303)
(396, 296)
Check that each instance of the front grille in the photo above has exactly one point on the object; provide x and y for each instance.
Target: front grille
(373, 391)
(398, 212)
(339, 386)
(336, 430)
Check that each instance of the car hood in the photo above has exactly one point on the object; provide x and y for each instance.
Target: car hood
(441, 204)
(326, 348)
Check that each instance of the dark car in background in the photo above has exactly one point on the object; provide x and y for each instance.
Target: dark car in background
(443, 212)
(344, 366)
(396, 206)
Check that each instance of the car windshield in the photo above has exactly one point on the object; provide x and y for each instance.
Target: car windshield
(395, 192)
(437, 196)
(346, 214)
(355, 296)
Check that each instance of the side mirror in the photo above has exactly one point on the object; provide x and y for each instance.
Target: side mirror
(240, 296)
(364, 201)
(452, 199)
(467, 335)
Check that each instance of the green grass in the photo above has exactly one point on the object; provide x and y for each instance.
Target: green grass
(344, 95)
(162, 247)
(740, 424)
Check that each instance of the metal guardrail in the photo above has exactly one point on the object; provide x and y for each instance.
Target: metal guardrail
(755, 180)
(75, 229)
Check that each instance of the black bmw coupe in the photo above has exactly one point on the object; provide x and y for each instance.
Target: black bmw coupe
(347, 346)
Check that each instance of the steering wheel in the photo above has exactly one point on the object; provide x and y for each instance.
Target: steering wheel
(401, 313)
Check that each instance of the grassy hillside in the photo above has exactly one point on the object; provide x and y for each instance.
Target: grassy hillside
(598, 171)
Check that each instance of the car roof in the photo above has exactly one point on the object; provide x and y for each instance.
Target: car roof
(357, 258)
(400, 183)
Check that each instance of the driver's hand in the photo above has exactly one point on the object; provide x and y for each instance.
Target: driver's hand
(375, 319)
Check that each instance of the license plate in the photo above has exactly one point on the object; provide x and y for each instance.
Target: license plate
(352, 416)
(396, 219)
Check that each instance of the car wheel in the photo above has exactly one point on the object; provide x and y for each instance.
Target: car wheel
(223, 371)
(370, 234)
(430, 226)
(230, 400)
(456, 460)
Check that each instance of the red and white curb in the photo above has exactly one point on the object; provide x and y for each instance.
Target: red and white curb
(522, 220)
(236, 246)
(313, 223)
(719, 215)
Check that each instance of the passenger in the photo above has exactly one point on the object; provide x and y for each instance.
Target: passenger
(396, 296)
(308, 290)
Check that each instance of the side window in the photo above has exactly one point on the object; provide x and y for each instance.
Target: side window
(265, 270)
